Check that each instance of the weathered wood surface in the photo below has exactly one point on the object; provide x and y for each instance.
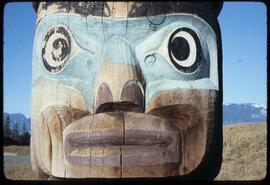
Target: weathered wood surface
(123, 130)
(106, 112)
(51, 113)
(192, 111)
(121, 145)
(118, 83)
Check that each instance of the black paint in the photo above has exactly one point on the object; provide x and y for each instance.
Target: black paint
(83, 8)
(91, 8)
(180, 48)
(207, 10)
(173, 49)
(65, 45)
(60, 44)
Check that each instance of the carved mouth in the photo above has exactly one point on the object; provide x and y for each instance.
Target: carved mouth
(122, 140)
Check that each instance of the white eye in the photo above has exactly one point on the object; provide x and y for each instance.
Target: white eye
(56, 49)
(184, 50)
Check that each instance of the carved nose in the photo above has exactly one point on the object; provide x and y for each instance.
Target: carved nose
(131, 99)
(118, 86)
(132, 92)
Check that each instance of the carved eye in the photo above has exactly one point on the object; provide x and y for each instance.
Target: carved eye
(185, 50)
(56, 49)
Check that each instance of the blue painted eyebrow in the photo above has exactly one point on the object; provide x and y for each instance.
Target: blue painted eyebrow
(91, 32)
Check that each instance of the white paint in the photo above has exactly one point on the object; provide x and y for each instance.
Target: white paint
(192, 46)
(87, 44)
(74, 47)
(49, 50)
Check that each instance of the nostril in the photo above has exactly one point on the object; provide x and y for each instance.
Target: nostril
(104, 95)
(131, 99)
(132, 92)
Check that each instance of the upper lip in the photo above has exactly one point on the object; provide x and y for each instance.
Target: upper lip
(117, 138)
(112, 138)
(131, 129)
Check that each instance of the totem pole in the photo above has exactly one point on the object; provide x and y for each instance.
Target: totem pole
(127, 89)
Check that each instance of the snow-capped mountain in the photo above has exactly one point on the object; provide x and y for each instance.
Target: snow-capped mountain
(244, 112)
(20, 119)
(232, 113)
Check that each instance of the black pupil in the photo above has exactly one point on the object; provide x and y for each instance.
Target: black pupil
(180, 48)
(60, 44)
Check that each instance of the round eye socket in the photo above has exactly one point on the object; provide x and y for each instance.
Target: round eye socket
(185, 50)
(180, 48)
(56, 49)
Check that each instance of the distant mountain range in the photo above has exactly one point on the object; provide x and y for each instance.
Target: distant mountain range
(244, 112)
(232, 113)
(20, 119)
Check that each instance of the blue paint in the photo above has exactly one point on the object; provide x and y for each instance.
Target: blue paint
(126, 42)
(167, 84)
(119, 50)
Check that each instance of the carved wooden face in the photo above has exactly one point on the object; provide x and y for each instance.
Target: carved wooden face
(126, 90)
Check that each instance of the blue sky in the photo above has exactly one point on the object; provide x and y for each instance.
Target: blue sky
(243, 29)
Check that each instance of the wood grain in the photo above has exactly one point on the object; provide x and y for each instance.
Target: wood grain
(118, 136)
(53, 107)
(152, 147)
(140, 145)
(192, 111)
(119, 82)
(95, 161)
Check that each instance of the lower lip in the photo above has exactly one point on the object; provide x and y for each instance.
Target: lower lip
(123, 140)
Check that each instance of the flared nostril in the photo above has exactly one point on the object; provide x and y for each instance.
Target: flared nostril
(131, 99)
(104, 95)
(132, 92)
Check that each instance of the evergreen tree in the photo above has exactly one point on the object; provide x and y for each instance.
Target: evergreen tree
(16, 131)
(6, 127)
(23, 128)
(25, 136)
